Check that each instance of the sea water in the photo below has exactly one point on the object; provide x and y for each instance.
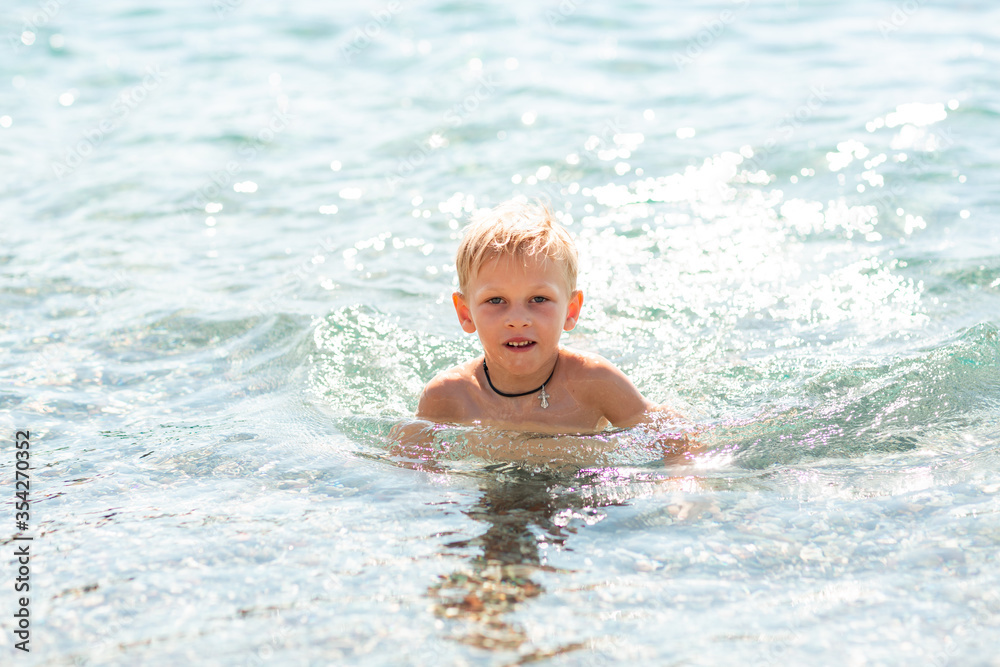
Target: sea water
(227, 235)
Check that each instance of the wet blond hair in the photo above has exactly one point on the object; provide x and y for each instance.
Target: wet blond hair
(514, 228)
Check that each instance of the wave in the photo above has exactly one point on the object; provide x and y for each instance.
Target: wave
(372, 370)
(903, 404)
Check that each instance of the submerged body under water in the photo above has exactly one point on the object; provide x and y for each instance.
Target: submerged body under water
(227, 237)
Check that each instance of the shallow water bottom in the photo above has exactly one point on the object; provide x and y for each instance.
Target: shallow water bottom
(313, 550)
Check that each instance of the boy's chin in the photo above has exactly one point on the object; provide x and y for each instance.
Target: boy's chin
(525, 359)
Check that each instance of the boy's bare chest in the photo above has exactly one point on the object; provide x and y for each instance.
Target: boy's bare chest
(554, 411)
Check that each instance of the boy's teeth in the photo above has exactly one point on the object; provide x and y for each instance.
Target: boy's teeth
(527, 342)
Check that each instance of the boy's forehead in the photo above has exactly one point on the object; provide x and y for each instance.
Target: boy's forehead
(510, 268)
(518, 262)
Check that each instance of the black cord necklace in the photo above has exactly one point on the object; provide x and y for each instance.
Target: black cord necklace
(543, 397)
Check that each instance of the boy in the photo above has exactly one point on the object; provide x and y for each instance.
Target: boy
(517, 290)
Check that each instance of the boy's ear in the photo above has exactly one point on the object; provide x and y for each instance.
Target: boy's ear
(573, 311)
(463, 312)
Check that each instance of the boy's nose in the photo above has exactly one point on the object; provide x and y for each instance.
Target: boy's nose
(517, 317)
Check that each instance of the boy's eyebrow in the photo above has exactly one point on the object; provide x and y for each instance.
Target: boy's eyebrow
(533, 286)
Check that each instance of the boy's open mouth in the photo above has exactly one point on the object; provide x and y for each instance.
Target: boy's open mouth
(519, 344)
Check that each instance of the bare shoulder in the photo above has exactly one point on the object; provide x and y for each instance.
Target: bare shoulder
(601, 384)
(591, 368)
(447, 397)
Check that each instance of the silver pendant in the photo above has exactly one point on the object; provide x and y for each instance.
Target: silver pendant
(544, 398)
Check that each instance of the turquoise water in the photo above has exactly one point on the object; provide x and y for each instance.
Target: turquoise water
(226, 242)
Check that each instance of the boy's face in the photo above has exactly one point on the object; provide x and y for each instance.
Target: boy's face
(519, 306)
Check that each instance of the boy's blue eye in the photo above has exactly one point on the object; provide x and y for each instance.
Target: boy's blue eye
(496, 301)
(538, 299)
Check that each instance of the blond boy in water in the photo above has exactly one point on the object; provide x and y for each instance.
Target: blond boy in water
(517, 270)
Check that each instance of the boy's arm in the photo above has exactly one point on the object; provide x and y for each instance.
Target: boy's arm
(444, 399)
(615, 395)
(624, 406)
(620, 401)
(415, 439)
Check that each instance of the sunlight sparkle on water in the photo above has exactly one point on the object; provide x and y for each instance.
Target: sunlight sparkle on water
(711, 255)
(917, 114)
